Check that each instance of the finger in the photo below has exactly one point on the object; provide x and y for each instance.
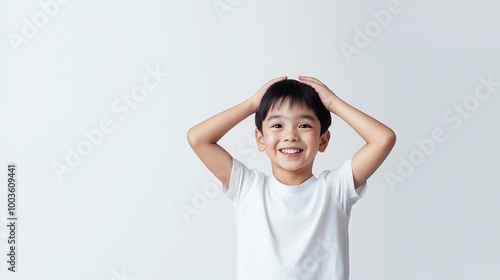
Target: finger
(277, 79)
(271, 82)
(311, 79)
(310, 83)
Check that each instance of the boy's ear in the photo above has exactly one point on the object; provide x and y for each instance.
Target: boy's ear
(323, 141)
(259, 138)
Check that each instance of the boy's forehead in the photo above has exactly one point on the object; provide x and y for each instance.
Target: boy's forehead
(284, 110)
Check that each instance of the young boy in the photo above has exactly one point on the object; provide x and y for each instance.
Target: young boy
(292, 225)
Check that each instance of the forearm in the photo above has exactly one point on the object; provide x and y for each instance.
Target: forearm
(371, 130)
(213, 129)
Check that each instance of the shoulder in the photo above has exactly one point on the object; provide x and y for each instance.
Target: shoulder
(243, 183)
(340, 183)
(242, 169)
(241, 174)
(344, 169)
(341, 179)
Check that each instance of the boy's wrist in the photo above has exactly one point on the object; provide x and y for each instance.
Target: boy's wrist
(253, 104)
(333, 104)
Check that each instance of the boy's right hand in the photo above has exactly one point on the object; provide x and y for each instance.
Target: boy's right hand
(258, 95)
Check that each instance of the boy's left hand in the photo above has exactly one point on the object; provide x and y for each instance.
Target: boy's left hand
(325, 94)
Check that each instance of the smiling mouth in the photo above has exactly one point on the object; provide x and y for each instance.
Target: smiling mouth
(290, 151)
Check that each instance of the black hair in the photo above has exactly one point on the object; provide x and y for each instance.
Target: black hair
(294, 92)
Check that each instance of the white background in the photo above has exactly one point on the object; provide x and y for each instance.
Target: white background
(117, 214)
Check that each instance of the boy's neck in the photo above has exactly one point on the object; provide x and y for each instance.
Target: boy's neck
(292, 178)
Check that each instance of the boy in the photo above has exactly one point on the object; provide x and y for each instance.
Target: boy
(292, 225)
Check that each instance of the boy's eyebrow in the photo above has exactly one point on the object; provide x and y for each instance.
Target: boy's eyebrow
(305, 116)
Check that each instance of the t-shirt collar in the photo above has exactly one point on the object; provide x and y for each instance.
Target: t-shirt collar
(285, 189)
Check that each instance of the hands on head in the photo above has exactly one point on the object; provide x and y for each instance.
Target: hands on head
(258, 95)
(379, 138)
(325, 94)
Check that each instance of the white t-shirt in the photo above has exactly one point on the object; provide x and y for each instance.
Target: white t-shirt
(292, 232)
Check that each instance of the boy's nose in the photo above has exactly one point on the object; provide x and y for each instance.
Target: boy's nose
(291, 136)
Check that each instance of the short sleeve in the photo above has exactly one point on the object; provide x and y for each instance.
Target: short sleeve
(242, 183)
(341, 181)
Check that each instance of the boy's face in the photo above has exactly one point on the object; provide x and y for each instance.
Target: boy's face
(291, 138)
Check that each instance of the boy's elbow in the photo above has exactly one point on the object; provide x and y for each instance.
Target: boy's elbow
(192, 137)
(389, 139)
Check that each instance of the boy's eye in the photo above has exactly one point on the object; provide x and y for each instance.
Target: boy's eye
(276, 126)
(304, 126)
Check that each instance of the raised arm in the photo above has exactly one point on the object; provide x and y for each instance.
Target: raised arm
(379, 138)
(204, 136)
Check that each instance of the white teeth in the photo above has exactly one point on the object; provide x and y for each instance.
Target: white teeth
(290, 151)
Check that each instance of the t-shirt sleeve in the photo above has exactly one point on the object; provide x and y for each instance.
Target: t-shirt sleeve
(341, 181)
(242, 182)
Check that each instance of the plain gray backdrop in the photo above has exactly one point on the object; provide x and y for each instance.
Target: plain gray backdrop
(96, 98)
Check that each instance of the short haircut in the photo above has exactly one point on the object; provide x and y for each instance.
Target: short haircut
(296, 93)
